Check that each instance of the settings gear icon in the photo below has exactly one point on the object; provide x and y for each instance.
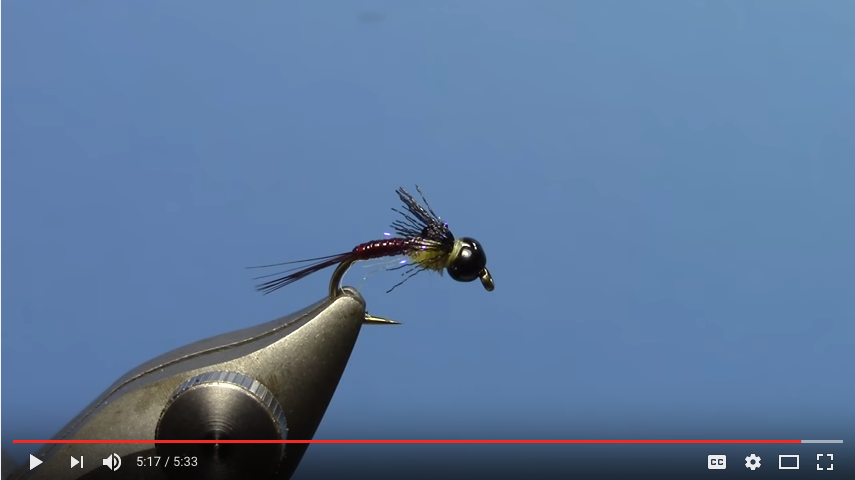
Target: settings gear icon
(752, 462)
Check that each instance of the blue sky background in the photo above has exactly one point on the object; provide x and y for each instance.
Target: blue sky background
(664, 191)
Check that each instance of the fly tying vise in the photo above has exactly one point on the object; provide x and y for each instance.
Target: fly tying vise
(421, 236)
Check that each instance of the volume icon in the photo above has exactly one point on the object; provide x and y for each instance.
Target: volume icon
(113, 462)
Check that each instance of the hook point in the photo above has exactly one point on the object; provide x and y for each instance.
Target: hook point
(372, 320)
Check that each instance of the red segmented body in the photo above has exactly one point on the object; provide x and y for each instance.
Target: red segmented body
(388, 247)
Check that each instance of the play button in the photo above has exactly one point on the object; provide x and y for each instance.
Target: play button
(34, 462)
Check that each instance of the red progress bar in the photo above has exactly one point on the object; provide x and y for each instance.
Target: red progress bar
(407, 441)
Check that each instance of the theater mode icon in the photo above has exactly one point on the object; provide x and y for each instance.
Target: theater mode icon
(788, 462)
(716, 462)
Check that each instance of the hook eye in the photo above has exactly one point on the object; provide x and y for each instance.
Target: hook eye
(487, 280)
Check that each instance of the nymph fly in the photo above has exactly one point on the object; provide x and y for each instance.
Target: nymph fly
(419, 235)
